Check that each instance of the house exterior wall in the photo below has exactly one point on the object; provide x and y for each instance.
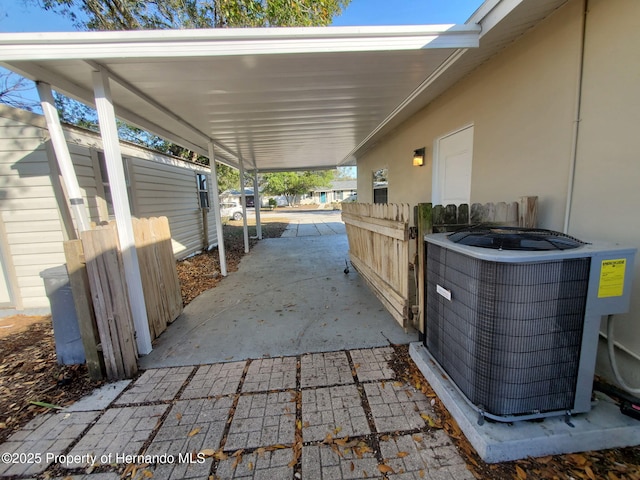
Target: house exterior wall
(524, 94)
(33, 225)
(606, 191)
(523, 104)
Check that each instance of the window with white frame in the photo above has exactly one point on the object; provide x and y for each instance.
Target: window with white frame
(106, 188)
(203, 190)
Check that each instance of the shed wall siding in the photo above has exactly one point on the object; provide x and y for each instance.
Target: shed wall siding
(171, 190)
(29, 209)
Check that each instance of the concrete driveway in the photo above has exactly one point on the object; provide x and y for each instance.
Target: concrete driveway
(290, 296)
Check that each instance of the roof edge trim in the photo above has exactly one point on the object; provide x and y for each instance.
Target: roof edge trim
(170, 44)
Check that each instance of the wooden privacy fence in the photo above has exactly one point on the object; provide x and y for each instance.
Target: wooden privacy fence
(158, 270)
(379, 245)
(439, 219)
(522, 213)
(95, 268)
(379, 250)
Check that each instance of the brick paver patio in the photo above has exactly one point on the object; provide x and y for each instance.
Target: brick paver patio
(313, 416)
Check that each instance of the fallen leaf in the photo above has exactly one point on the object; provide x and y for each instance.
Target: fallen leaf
(578, 459)
(193, 432)
(250, 466)
(428, 419)
(341, 441)
(147, 474)
(352, 467)
(522, 475)
(421, 473)
(589, 473)
(385, 469)
(402, 454)
(220, 455)
(337, 430)
(207, 452)
(416, 437)
(236, 462)
(178, 416)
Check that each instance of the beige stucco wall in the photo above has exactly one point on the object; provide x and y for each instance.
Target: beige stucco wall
(522, 106)
(607, 179)
(522, 103)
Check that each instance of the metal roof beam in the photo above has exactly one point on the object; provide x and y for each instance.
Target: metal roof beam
(203, 150)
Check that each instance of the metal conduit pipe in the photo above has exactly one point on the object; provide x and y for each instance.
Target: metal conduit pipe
(612, 358)
(576, 122)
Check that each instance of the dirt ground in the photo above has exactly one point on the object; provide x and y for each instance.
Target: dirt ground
(19, 323)
(29, 373)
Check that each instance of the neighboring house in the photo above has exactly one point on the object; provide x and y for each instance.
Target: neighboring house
(235, 196)
(32, 226)
(338, 191)
(554, 113)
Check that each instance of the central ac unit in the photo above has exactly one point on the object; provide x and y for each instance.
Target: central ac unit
(512, 316)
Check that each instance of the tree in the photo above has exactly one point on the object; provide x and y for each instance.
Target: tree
(292, 184)
(11, 87)
(166, 14)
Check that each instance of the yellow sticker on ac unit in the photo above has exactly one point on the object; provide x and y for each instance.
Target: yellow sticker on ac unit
(612, 278)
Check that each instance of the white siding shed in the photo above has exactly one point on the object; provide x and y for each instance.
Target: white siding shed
(33, 226)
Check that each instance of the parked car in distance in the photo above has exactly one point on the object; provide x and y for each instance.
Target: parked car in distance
(231, 210)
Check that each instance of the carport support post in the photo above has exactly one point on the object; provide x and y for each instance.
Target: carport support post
(115, 172)
(256, 203)
(216, 210)
(243, 195)
(61, 150)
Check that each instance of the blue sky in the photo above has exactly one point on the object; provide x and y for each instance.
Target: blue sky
(22, 16)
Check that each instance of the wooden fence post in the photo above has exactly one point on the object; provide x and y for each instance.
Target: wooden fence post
(79, 282)
(425, 226)
(528, 212)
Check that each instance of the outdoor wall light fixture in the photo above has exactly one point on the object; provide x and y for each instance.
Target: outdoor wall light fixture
(418, 157)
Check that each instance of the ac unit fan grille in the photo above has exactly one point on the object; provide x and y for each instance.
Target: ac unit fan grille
(511, 335)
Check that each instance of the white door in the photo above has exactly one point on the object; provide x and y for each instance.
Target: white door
(452, 168)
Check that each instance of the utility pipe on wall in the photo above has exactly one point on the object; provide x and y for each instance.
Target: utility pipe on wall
(576, 122)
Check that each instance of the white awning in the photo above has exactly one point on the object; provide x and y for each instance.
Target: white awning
(280, 98)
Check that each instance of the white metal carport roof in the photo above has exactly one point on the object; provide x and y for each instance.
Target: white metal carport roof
(281, 98)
